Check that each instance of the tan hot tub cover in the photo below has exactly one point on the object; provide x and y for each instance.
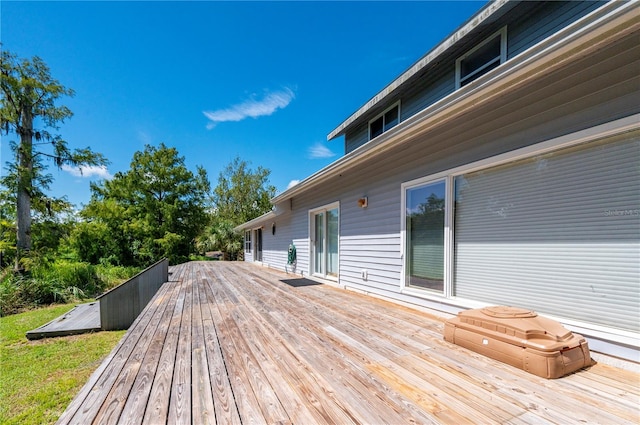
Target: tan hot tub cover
(521, 338)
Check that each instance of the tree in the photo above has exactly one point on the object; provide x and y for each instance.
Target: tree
(220, 236)
(242, 194)
(154, 210)
(29, 97)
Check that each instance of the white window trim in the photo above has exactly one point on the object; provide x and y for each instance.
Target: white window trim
(502, 32)
(312, 235)
(611, 129)
(396, 104)
(247, 240)
(254, 246)
(448, 235)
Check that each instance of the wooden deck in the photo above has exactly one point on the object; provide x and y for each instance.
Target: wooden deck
(237, 343)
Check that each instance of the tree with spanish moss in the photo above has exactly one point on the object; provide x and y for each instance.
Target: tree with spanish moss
(29, 110)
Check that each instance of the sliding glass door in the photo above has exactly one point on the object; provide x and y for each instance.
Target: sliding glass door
(325, 237)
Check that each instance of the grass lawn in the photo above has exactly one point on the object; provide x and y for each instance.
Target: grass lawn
(38, 379)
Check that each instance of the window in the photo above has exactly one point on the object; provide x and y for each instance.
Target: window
(324, 240)
(385, 121)
(247, 240)
(481, 59)
(425, 235)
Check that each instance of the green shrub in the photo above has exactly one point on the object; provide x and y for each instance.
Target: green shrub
(112, 276)
(18, 293)
(59, 281)
(10, 299)
(43, 291)
(47, 282)
(70, 274)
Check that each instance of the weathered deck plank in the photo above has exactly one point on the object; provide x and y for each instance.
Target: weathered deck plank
(180, 398)
(233, 343)
(158, 403)
(203, 410)
(226, 411)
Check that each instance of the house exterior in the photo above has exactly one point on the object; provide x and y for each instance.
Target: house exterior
(502, 168)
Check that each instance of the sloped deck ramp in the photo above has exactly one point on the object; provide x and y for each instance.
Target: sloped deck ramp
(81, 319)
(237, 343)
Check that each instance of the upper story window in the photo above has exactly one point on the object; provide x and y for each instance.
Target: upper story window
(383, 122)
(481, 59)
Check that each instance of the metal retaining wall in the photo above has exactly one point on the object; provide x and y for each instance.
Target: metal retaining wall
(120, 306)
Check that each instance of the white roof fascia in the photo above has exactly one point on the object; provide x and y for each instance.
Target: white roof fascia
(253, 223)
(612, 20)
(483, 14)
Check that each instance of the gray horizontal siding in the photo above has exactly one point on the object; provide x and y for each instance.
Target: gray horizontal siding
(381, 217)
(370, 237)
(300, 237)
(275, 247)
(378, 254)
(543, 21)
(356, 138)
(438, 84)
(541, 233)
(574, 100)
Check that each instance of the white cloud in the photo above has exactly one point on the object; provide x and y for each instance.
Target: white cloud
(320, 151)
(292, 183)
(252, 108)
(88, 171)
(144, 137)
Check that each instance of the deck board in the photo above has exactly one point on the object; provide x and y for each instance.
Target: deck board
(157, 407)
(235, 343)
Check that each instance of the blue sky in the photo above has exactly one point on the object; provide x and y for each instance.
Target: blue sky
(265, 81)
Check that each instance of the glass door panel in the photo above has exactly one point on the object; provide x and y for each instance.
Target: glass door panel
(318, 263)
(425, 215)
(258, 249)
(325, 240)
(332, 242)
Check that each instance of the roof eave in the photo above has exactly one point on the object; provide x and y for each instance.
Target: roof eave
(253, 223)
(481, 16)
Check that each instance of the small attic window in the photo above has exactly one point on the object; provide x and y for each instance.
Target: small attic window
(481, 59)
(385, 121)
